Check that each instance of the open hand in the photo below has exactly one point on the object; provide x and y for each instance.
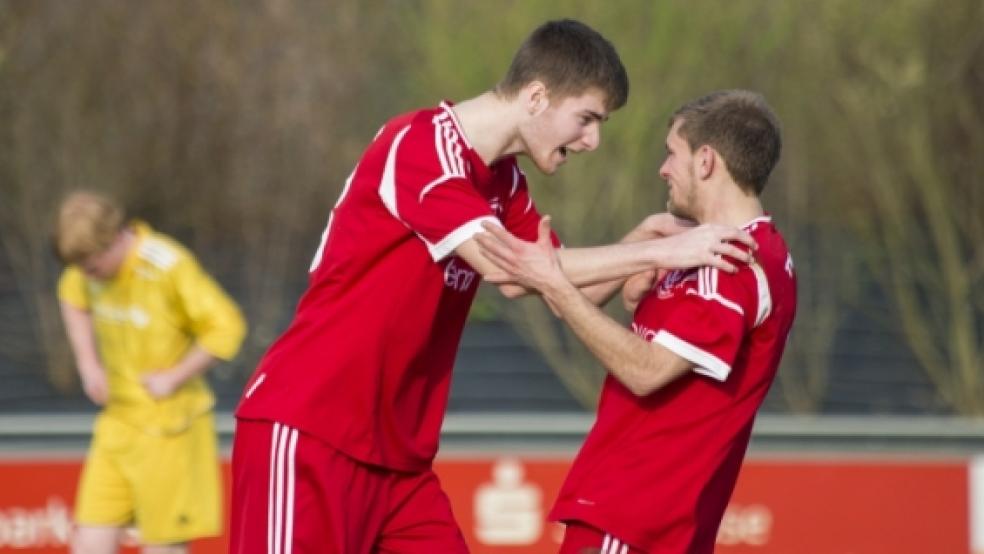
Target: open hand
(708, 245)
(532, 264)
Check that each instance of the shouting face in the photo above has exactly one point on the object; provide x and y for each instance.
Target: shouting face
(570, 125)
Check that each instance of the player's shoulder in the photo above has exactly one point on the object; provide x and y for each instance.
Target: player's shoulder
(71, 272)
(773, 253)
(425, 121)
(158, 250)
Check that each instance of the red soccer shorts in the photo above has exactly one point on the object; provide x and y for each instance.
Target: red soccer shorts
(294, 494)
(580, 538)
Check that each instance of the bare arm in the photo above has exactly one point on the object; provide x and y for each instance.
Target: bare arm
(655, 226)
(161, 384)
(82, 338)
(603, 268)
(641, 366)
(214, 320)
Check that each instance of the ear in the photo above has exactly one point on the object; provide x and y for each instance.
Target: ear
(705, 160)
(535, 98)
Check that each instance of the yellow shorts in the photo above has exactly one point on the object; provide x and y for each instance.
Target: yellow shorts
(167, 486)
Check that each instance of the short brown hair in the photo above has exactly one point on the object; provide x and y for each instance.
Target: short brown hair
(570, 58)
(741, 126)
(87, 224)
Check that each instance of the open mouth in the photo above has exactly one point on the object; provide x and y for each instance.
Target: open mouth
(563, 152)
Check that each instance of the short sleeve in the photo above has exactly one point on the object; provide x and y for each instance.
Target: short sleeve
(425, 185)
(708, 325)
(72, 288)
(215, 320)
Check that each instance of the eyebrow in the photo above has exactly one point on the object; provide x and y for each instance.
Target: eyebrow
(597, 116)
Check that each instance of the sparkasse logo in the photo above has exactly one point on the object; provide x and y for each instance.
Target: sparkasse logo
(34, 527)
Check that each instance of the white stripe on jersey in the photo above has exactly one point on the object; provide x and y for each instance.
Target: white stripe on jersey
(515, 187)
(447, 145)
(157, 252)
(454, 117)
(331, 216)
(387, 186)
(706, 363)
(764, 294)
(442, 155)
(448, 148)
(707, 283)
(434, 183)
(517, 173)
(605, 543)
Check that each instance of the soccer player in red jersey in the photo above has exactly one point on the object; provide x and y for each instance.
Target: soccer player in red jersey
(337, 428)
(657, 469)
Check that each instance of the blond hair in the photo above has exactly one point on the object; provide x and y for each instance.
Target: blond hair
(87, 224)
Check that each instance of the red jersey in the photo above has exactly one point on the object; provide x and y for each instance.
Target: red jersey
(658, 471)
(365, 365)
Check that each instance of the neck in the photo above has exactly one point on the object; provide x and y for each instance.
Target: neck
(491, 126)
(730, 205)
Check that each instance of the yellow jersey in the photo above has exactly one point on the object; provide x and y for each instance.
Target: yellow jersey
(160, 303)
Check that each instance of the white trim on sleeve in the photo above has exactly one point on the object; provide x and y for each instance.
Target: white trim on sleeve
(706, 363)
(455, 238)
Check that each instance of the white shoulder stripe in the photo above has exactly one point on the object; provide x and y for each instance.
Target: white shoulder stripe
(705, 363)
(442, 155)
(707, 283)
(764, 294)
(447, 146)
(158, 253)
(454, 117)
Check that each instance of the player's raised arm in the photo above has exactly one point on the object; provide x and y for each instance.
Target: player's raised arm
(641, 366)
(604, 267)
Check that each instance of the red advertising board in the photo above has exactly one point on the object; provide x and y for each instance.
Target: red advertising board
(823, 506)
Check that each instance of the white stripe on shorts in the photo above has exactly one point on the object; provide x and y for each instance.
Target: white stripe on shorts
(611, 545)
(280, 500)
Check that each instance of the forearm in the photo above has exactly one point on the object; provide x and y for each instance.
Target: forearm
(605, 264)
(601, 293)
(81, 337)
(195, 362)
(641, 366)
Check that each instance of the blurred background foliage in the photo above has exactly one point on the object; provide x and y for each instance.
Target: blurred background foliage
(233, 126)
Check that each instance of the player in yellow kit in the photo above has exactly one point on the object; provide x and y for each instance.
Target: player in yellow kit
(145, 321)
